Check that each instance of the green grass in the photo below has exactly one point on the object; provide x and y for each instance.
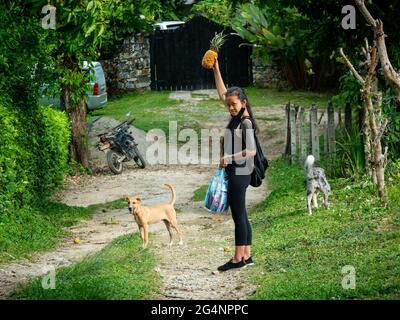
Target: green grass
(272, 132)
(267, 97)
(29, 230)
(122, 270)
(154, 109)
(200, 193)
(277, 119)
(151, 109)
(301, 257)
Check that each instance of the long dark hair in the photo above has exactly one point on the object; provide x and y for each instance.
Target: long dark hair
(239, 92)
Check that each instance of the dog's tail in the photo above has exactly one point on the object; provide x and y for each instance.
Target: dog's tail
(170, 186)
(308, 164)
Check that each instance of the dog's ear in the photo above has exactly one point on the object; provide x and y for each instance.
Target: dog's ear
(126, 198)
(138, 198)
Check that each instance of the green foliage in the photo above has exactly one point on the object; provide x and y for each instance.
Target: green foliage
(34, 140)
(350, 157)
(220, 11)
(259, 27)
(163, 10)
(392, 169)
(280, 34)
(301, 257)
(123, 270)
(53, 147)
(349, 88)
(83, 29)
(303, 36)
(33, 154)
(394, 53)
(23, 54)
(11, 182)
(391, 137)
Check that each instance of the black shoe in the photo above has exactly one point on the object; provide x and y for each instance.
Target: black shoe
(249, 261)
(232, 265)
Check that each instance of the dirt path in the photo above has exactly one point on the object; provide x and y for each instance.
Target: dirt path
(204, 238)
(187, 271)
(190, 271)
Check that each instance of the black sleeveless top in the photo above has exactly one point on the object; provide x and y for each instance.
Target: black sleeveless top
(234, 143)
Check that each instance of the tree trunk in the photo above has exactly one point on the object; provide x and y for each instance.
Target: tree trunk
(379, 166)
(373, 109)
(367, 141)
(79, 148)
(373, 126)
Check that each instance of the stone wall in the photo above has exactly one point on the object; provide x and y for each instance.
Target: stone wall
(267, 76)
(129, 69)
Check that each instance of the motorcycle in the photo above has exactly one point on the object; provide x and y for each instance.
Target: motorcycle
(120, 146)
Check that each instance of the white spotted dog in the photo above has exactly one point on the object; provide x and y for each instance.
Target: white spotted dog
(316, 181)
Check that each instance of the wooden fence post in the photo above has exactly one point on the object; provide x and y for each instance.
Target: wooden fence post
(347, 116)
(331, 131)
(303, 143)
(287, 148)
(292, 123)
(325, 134)
(298, 128)
(314, 135)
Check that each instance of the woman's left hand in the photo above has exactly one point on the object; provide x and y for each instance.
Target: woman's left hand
(222, 162)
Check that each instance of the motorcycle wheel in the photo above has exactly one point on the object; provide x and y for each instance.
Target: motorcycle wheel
(138, 158)
(113, 163)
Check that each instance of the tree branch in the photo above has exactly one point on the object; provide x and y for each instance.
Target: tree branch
(381, 131)
(377, 26)
(364, 11)
(390, 74)
(374, 59)
(349, 64)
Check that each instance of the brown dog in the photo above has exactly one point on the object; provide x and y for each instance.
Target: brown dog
(145, 215)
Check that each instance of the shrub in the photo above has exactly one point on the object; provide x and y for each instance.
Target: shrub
(52, 152)
(33, 153)
(12, 182)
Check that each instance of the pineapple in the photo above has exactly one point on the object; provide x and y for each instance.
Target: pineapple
(211, 55)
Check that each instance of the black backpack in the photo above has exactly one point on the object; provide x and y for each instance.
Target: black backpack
(260, 163)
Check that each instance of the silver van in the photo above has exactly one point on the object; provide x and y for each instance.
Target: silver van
(97, 96)
(169, 25)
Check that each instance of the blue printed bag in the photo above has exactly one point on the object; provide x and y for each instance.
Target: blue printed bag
(217, 194)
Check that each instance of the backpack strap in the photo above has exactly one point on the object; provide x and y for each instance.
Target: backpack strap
(247, 117)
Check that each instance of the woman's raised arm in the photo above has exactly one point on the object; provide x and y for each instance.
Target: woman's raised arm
(219, 83)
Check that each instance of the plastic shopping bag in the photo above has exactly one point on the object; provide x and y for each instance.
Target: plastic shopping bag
(217, 194)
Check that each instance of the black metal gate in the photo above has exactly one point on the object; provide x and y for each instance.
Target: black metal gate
(176, 58)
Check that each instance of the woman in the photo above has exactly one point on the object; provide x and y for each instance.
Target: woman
(239, 149)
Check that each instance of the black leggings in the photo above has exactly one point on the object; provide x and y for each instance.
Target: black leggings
(237, 185)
